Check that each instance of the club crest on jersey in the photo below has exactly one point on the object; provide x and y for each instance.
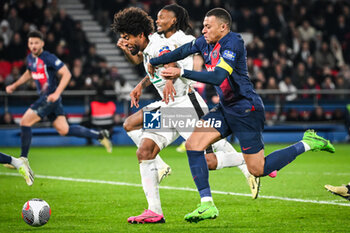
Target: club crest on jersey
(214, 54)
(164, 49)
(229, 55)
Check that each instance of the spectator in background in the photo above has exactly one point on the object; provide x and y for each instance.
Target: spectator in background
(338, 115)
(293, 115)
(271, 85)
(15, 22)
(13, 76)
(299, 75)
(7, 119)
(286, 85)
(5, 32)
(3, 50)
(77, 80)
(78, 43)
(306, 31)
(328, 84)
(93, 62)
(324, 57)
(18, 48)
(337, 51)
(50, 42)
(317, 114)
(311, 84)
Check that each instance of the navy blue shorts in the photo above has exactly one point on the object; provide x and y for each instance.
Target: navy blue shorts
(247, 128)
(49, 109)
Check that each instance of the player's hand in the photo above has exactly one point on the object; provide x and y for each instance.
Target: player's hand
(10, 89)
(171, 73)
(122, 44)
(169, 90)
(135, 96)
(151, 69)
(53, 97)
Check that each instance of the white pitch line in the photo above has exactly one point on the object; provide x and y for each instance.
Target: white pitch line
(177, 188)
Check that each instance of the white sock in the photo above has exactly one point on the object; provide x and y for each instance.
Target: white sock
(16, 162)
(135, 135)
(229, 159)
(159, 162)
(306, 146)
(244, 169)
(223, 145)
(150, 184)
(206, 199)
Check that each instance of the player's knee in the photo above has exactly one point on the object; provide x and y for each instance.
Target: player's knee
(24, 122)
(193, 145)
(144, 153)
(63, 131)
(127, 125)
(256, 170)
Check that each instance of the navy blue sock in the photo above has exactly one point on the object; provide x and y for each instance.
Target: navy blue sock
(200, 173)
(80, 131)
(280, 158)
(4, 158)
(26, 140)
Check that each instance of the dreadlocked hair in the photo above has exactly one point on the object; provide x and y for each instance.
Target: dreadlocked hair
(182, 18)
(132, 21)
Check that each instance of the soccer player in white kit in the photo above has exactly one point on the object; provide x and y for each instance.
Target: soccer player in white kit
(139, 44)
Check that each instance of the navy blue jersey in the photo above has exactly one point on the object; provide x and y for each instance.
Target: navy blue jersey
(236, 92)
(43, 70)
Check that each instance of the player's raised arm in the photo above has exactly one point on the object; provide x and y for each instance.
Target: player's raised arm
(65, 78)
(23, 79)
(134, 59)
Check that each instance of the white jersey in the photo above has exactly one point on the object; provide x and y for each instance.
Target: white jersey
(157, 45)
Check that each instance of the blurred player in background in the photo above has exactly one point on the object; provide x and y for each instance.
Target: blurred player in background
(241, 109)
(342, 191)
(43, 66)
(139, 45)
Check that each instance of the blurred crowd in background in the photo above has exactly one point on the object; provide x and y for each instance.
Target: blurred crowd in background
(291, 45)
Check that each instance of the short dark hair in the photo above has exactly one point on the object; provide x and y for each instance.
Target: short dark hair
(221, 14)
(36, 34)
(133, 21)
(182, 18)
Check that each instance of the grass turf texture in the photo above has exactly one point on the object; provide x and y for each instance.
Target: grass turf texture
(91, 207)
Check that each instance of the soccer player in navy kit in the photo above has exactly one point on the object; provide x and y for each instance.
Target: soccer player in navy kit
(240, 110)
(42, 66)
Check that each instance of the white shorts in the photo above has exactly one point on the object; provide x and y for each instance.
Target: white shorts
(163, 139)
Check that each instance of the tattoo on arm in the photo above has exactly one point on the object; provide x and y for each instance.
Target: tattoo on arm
(145, 82)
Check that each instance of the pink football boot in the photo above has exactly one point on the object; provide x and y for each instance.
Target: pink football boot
(273, 174)
(147, 216)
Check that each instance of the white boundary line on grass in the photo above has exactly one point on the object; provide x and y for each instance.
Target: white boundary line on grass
(176, 188)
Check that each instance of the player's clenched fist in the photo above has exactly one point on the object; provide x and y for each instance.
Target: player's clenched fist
(10, 89)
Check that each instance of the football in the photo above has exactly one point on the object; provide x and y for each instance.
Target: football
(36, 212)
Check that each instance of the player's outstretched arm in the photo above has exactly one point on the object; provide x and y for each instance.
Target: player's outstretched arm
(65, 78)
(134, 59)
(173, 56)
(215, 77)
(23, 79)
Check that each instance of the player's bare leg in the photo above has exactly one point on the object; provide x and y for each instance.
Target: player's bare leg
(132, 126)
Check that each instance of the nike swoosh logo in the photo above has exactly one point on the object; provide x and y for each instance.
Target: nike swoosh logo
(201, 212)
(320, 139)
(247, 148)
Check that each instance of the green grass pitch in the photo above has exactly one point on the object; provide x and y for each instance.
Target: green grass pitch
(87, 205)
